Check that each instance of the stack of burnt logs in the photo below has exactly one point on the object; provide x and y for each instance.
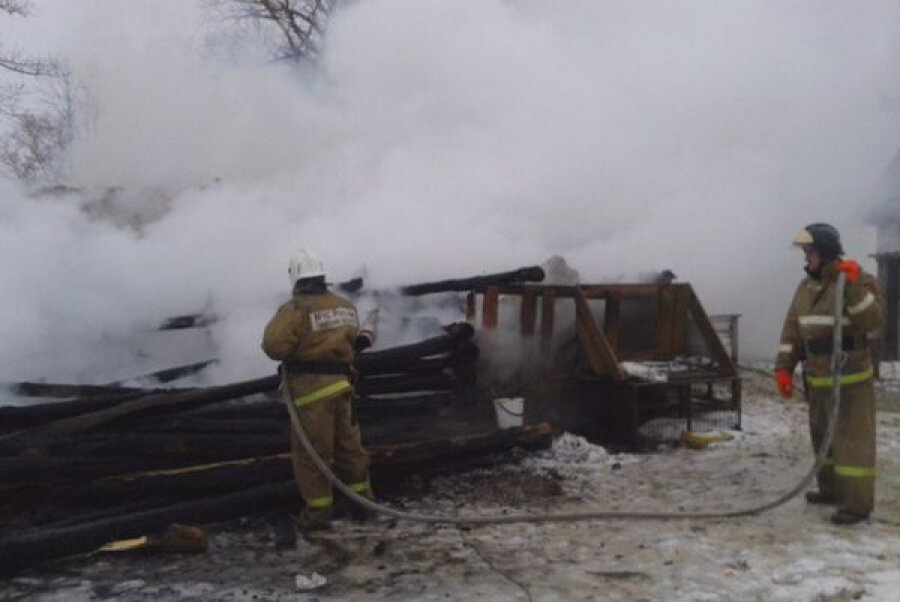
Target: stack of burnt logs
(112, 462)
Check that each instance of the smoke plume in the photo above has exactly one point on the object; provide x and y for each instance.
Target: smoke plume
(440, 139)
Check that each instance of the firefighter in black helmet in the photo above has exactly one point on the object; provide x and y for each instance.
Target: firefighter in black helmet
(847, 480)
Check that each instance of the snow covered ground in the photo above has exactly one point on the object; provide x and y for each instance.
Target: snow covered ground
(790, 554)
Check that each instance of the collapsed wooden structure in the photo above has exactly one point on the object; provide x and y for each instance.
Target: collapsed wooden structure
(113, 461)
(640, 351)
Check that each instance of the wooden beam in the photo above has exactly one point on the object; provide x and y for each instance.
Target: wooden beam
(548, 309)
(708, 332)
(150, 404)
(490, 307)
(528, 313)
(601, 358)
(590, 291)
(480, 283)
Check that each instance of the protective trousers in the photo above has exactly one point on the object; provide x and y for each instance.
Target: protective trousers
(849, 472)
(329, 425)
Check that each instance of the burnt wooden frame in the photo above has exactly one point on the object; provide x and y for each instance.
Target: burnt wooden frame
(675, 303)
(599, 344)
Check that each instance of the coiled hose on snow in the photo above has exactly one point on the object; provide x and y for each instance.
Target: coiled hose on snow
(837, 360)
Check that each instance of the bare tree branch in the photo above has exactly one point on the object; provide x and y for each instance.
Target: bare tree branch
(13, 60)
(34, 148)
(28, 66)
(38, 116)
(19, 8)
(298, 25)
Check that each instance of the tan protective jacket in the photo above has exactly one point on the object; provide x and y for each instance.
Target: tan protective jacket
(808, 328)
(313, 328)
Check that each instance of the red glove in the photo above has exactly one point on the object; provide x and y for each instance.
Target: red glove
(851, 268)
(785, 382)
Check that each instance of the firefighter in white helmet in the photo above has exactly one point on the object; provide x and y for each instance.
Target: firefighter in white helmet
(316, 336)
(848, 478)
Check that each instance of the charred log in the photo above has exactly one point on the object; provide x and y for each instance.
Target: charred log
(170, 374)
(32, 546)
(151, 405)
(383, 385)
(396, 359)
(188, 321)
(20, 417)
(32, 389)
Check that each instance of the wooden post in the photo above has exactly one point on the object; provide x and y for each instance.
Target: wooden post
(470, 307)
(548, 309)
(528, 314)
(680, 298)
(611, 321)
(490, 308)
(665, 322)
(684, 400)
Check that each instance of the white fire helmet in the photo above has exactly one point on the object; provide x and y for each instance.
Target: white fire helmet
(304, 265)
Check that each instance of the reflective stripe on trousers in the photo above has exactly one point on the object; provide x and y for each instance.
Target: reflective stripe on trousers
(359, 487)
(328, 391)
(846, 379)
(859, 472)
(320, 502)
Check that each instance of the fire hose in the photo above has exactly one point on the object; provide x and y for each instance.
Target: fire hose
(837, 360)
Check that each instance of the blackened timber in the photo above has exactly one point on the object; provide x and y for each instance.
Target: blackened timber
(370, 409)
(527, 274)
(462, 353)
(176, 483)
(430, 452)
(33, 389)
(352, 286)
(591, 291)
(197, 424)
(33, 546)
(30, 470)
(151, 404)
(170, 374)
(28, 547)
(406, 384)
(148, 448)
(396, 358)
(188, 321)
(20, 417)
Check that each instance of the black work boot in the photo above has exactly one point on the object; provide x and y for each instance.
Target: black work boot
(318, 519)
(845, 517)
(282, 526)
(360, 513)
(817, 497)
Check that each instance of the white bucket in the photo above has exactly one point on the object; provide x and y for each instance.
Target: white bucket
(510, 411)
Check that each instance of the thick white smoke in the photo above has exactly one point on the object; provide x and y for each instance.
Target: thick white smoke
(440, 139)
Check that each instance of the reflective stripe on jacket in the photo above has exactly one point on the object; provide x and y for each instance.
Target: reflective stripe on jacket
(810, 319)
(313, 328)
